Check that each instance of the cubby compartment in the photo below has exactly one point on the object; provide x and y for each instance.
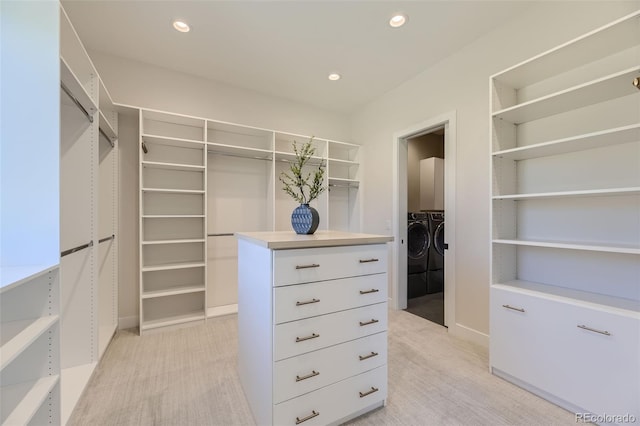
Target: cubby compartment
(284, 146)
(172, 126)
(343, 151)
(242, 141)
(170, 254)
(163, 177)
(172, 204)
(172, 228)
(173, 310)
(169, 282)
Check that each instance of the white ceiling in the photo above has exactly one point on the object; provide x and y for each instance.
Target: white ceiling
(287, 48)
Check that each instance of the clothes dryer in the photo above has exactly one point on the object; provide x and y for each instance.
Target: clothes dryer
(418, 246)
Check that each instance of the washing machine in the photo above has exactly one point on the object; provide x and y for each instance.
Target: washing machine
(435, 256)
(418, 246)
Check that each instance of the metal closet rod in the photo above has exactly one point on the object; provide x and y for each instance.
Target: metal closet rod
(108, 138)
(222, 234)
(102, 240)
(334, 185)
(66, 90)
(227, 154)
(75, 249)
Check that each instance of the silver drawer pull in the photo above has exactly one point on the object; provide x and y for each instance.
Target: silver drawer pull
(302, 339)
(373, 259)
(313, 265)
(373, 321)
(313, 373)
(373, 290)
(369, 392)
(313, 414)
(371, 355)
(512, 308)
(308, 302)
(584, 327)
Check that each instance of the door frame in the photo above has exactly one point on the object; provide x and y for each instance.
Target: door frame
(399, 262)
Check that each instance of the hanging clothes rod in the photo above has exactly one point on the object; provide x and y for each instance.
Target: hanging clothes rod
(228, 154)
(75, 249)
(334, 185)
(66, 90)
(102, 240)
(108, 138)
(223, 234)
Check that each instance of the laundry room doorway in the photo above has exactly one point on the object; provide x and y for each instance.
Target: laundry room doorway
(423, 282)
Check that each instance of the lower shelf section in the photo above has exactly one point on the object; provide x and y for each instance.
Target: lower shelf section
(74, 380)
(219, 311)
(173, 320)
(27, 398)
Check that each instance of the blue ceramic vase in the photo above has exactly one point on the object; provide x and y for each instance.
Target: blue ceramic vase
(305, 219)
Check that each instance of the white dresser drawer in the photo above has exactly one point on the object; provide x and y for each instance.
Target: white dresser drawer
(334, 402)
(312, 299)
(326, 263)
(302, 374)
(298, 337)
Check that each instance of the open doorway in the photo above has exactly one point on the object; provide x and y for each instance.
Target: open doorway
(443, 126)
(426, 225)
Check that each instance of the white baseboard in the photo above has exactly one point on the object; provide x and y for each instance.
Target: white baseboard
(218, 311)
(127, 322)
(465, 333)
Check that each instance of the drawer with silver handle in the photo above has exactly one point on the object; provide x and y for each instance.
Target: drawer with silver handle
(310, 334)
(327, 263)
(333, 403)
(312, 299)
(304, 373)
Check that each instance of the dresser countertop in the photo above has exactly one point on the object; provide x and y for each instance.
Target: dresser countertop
(290, 240)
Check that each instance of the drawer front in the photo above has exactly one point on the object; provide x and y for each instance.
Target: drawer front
(332, 403)
(305, 373)
(326, 263)
(307, 300)
(298, 337)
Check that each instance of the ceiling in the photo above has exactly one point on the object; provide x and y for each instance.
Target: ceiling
(288, 48)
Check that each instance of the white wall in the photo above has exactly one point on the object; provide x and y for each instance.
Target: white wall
(461, 83)
(135, 83)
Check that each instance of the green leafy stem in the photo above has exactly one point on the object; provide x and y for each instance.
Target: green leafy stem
(296, 181)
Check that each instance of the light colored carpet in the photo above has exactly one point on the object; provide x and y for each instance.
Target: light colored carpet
(188, 377)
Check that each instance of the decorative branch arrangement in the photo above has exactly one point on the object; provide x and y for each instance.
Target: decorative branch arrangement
(295, 182)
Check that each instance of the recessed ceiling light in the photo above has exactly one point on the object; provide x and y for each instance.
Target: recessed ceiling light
(181, 26)
(334, 76)
(398, 20)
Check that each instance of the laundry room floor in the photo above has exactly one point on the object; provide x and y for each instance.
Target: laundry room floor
(429, 307)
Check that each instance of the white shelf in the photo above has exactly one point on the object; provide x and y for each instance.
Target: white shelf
(571, 296)
(601, 42)
(219, 311)
(570, 246)
(172, 166)
(351, 183)
(572, 194)
(343, 162)
(173, 320)
(172, 216)
(170, 266)
(239, 151)
(172, 191)
(605, 138)
(173, 291)
(602, 89)
(158, 242)
(14, 276)
(106, 127)
(35, 393)
(16, 336)
(71, 82)
(171, 141)
(289, 157)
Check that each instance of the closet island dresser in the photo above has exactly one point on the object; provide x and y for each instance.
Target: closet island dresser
(312, 325)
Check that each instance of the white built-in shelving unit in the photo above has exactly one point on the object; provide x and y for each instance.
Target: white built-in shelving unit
(565, 290)
(203, 180)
